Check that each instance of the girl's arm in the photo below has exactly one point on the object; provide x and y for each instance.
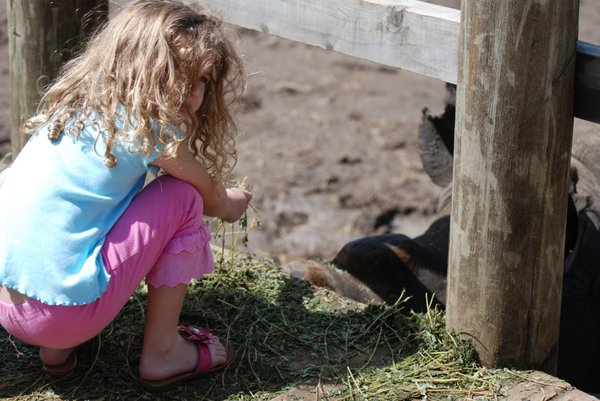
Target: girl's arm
(228, 204)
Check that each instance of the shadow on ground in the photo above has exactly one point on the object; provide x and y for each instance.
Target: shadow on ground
(285, 333)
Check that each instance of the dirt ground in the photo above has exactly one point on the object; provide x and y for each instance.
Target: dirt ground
(329, 144)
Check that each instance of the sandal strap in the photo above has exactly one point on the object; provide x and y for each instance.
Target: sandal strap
(204, 358)
(201, 337)
(192, 333)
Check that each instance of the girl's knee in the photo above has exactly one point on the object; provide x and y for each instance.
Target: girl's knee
(183, 192)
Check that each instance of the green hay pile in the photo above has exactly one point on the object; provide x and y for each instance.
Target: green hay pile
(292, 340)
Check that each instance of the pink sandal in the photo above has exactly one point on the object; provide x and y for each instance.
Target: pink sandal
(201, 337)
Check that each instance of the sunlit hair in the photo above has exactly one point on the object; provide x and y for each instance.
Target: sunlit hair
(146, 59)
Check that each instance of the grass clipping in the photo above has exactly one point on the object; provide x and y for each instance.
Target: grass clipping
(292, 341)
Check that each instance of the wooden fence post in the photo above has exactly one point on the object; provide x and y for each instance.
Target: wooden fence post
(512, 149)
(41, 36)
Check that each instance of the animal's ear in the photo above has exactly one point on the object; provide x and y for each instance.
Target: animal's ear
(435, 156)
(450, 98)
(436, 140)
(573, 179)
(573, 176)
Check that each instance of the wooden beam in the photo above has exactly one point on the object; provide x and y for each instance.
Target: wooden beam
(511, 156)
(407, 34)
(41, 36)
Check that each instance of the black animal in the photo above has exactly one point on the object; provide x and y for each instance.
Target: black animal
(390, 265)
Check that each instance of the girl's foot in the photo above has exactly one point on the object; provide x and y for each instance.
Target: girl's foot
(55, 357)
(183, 356)
(58, 362)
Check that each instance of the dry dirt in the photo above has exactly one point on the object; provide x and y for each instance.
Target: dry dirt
(329, 142)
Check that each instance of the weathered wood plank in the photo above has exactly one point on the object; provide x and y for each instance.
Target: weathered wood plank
(411, 35)
(408, 34)
(540, 386)
(511, 156)
(41, 36)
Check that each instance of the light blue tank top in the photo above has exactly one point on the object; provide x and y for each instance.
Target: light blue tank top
(57, 204)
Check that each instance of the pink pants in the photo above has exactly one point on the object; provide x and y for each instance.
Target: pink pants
(161, 237)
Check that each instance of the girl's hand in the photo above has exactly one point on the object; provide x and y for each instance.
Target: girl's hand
(227, 204)
(237, 202)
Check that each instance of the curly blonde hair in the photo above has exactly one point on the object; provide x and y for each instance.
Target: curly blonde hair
(147, 59)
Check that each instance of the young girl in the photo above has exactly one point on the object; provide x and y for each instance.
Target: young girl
(77, 231)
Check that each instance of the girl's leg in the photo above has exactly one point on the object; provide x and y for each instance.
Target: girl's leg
(55, 357)
(161, 237)
(49, 356)
(171, 242)
(164, 352)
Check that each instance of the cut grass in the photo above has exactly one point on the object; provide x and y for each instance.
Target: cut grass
(287, 335)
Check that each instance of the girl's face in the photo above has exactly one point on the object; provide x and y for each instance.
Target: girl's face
(196, 96)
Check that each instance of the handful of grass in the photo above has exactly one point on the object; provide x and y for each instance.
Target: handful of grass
(231, 235)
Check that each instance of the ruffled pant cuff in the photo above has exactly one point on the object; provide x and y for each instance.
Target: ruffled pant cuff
(186, 257)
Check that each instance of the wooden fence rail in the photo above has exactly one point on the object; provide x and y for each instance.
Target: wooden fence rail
(407, 34)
